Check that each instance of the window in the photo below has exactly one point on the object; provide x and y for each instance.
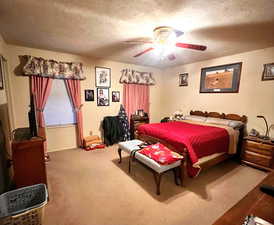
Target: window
(59, 109)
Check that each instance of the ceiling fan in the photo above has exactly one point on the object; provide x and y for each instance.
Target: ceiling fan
(164, 40)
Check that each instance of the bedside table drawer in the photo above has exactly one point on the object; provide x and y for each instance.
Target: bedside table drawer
(260, 148)
(257, 158)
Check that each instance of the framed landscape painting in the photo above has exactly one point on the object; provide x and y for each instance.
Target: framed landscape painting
(221, 79)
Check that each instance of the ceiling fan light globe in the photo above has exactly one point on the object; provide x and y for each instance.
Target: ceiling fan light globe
(165, 36)
(164, 41)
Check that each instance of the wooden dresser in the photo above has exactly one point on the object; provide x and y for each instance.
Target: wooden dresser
(28, 159)
(136, 121)
(258, 152)
(255, 202)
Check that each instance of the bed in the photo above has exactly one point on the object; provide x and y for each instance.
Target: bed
(203, 143)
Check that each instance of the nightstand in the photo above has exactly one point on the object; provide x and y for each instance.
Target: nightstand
(136, 121)
(258, 152)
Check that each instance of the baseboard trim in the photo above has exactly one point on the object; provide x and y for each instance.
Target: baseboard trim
(61, 149)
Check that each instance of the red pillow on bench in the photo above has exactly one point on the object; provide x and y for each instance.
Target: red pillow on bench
(161, 154)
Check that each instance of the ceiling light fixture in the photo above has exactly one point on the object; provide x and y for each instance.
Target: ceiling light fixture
(164, 40)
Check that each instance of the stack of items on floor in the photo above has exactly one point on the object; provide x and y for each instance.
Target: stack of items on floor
(93, 142)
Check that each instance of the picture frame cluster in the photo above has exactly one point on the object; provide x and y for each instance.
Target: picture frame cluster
(103, 84)
(224, 78)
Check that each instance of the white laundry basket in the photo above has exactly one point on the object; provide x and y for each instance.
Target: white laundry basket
(23, 206)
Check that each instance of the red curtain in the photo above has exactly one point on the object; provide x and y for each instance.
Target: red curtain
(74, 91)
(135, 96)
(40, 88)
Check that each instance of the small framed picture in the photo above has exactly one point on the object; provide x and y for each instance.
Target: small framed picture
(140, 112)
(89, 95)
(115, 96)
(1, 73)
(102, 97)
(268, 73)
(183, 79)
(102, 77)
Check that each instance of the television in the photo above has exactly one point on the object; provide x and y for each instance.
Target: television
(32, 118)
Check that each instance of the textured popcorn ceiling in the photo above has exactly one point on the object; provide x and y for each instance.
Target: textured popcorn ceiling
(98, 28)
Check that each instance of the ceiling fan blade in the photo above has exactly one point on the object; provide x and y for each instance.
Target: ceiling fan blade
(191, 46)
(171, 57)
(136, 41)
(143, 52)
(178, 33)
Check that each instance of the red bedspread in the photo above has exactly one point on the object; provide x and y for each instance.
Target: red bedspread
(199, 140)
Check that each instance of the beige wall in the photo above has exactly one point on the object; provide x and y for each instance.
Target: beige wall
(64, 137)
(255, 96)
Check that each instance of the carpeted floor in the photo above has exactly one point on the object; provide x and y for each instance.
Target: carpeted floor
(91, 188)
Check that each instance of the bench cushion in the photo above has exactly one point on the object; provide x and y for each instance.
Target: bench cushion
(129, 146)
(154, 165)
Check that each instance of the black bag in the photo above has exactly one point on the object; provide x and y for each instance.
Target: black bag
(164, 120)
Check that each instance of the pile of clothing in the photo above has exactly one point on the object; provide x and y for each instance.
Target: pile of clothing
(116, 128)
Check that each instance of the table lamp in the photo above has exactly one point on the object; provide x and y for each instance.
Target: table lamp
(266, 137)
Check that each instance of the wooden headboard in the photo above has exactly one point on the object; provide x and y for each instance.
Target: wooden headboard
(220, 115)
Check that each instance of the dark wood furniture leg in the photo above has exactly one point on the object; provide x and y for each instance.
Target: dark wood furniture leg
(175, 172)
(120, 155)
(182, 173)
(157, 177)
(129, 164)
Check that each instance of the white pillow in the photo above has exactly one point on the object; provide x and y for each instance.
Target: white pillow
(235, 124)
(195, 118)
(231, 123)
(217, 121)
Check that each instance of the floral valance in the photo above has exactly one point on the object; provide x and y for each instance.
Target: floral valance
(135, 77)
(50, 68)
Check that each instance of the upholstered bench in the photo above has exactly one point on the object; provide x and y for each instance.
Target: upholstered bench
(132, 147)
